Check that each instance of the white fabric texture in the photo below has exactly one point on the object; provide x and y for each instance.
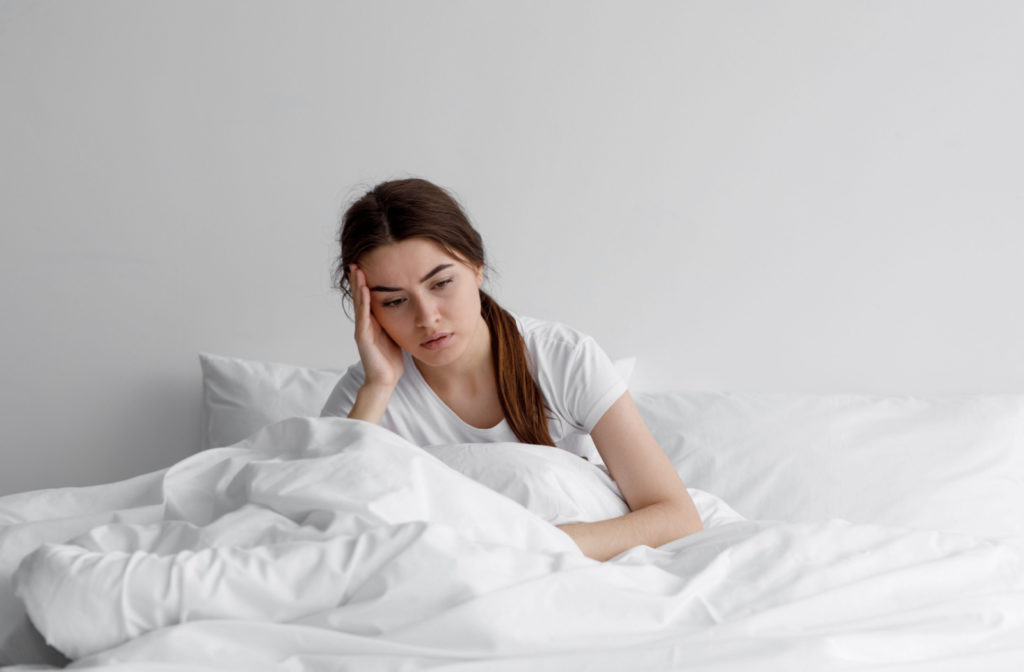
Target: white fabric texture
(30, 519)
(327, 543)
(822, 594)
(241, 396)
(578, 380)
(556, 485)
(940, 463)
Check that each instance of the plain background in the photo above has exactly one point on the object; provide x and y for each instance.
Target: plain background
(749, 196)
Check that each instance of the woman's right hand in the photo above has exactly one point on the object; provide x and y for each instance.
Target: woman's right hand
(381, 356)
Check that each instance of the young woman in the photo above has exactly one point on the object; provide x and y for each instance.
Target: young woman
(441, 362)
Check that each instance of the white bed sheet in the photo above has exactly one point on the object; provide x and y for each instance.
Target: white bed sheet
(333, 544)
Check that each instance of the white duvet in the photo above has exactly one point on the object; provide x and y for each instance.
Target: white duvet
(333, 544)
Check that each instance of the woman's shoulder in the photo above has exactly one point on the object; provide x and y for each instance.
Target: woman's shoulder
(577, 378)
(548, 334)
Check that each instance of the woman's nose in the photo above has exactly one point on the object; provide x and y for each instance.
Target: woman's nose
(426, 312)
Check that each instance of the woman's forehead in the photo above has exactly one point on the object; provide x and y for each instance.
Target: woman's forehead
(409, 258)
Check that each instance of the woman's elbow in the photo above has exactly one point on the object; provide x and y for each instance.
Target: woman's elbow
(688, 519)
(679, 519)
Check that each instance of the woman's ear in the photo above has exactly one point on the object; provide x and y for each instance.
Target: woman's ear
(479, 275)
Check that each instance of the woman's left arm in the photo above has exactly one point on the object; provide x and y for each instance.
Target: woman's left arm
(661, 509)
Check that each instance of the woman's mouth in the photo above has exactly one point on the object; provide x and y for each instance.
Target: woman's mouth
(437, 342)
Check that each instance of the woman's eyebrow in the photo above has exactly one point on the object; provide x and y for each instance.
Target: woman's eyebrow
(437, 269)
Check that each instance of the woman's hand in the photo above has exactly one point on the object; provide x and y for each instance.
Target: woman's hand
(381, 356)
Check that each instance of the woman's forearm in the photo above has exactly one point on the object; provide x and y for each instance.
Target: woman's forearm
(371, 402)
(652, 525)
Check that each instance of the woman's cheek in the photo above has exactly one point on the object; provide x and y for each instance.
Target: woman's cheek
(390, 322)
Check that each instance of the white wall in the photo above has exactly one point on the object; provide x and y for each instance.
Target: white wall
(780, 196)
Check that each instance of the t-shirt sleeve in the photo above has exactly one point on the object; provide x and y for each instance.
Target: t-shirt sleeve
(584, 383)
(343, 396)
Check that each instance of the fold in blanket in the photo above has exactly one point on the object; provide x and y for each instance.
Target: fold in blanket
(338, 532)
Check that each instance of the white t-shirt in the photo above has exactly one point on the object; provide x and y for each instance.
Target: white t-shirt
(578, 380)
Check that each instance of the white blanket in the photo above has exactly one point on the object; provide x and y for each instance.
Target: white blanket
(333, 544)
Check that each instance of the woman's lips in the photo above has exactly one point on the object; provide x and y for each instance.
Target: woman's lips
(437, 342)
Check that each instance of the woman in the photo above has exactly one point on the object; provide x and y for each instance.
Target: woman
(441, 362)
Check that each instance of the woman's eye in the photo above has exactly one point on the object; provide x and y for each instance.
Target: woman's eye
(442, 283)
(393, 303)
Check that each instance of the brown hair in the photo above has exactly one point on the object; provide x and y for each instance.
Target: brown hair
(413, 208)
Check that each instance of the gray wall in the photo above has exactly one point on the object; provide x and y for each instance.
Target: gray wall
(775, 196)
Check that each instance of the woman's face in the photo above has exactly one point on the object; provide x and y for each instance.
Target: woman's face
(425, 299)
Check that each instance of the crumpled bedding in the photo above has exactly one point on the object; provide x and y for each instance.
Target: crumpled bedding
(327, 543)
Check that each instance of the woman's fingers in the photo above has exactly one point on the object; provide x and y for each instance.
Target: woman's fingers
(366, 327)
(360, 296)
(356, 290)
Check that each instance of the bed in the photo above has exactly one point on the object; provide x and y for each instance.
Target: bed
(843, 532)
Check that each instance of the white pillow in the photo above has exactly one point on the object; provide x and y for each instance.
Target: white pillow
(555, 484)
(942, 463)
(241, 396)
